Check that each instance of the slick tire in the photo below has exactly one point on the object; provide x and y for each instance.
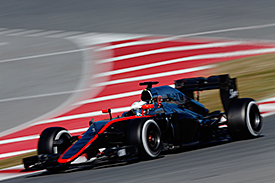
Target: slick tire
(46, 143)
(146, 135)
(244, 119)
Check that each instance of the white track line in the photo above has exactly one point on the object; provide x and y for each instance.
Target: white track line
(44, 95)
(171, 49)
(267, 100)
(16, 153)
(43, 55)
(45, 33)
(134, 43)
(83, 115)
(26, 32)
(229, 30)
(110, 97)
(65, 34)
(32, 137)
(182, 71)
(3, 43)
(9, 31)
(78, 130)
(90, 39)
(186, 35)
(196, 57)
(19, 139)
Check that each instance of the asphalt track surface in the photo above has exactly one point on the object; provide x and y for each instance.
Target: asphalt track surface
(245, 161)
(34, 77)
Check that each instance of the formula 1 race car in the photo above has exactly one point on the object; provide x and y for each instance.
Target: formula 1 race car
(164, 119)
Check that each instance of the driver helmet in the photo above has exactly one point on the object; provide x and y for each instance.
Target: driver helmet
(136, 107)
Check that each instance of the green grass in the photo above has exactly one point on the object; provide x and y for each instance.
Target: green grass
(16, 160)
(255, 79)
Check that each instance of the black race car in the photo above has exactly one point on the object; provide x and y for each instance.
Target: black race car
(165, 118)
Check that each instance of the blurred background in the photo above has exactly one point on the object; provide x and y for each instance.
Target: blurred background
(57, 76)
(144, 17)
(42, 71)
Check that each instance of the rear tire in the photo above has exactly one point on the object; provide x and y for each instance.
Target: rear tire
(147, 136)
(244, 119)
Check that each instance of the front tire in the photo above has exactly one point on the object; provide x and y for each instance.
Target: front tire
(46, 143)
(244, 119)
(147, 136)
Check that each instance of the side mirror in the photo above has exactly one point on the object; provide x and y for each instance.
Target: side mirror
(107, 111)
(148, 106)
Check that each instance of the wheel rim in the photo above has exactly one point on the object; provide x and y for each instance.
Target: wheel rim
(254, 121)
(62, 135)
(151, 138)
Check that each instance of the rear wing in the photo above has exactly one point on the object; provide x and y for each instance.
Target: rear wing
(227, 86)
